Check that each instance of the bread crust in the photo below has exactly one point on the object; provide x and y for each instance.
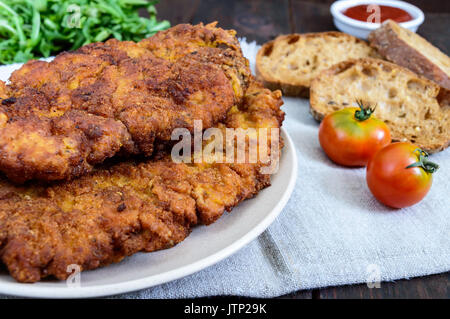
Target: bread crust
(301, 85)
(286, 88)
(319, 110)
(390, 44)
(270, 82)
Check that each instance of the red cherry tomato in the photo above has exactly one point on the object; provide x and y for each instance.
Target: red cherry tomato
(350, 136)
(400, 175)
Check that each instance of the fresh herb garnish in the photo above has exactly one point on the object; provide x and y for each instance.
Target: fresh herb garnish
(39, 28)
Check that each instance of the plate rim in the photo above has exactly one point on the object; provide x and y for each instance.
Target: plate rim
(23, 290)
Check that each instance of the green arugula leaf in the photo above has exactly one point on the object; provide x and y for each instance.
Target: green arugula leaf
(31, 29)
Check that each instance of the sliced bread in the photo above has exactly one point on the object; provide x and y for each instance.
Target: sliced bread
(290, 62)
(407, 103)
(410, 50)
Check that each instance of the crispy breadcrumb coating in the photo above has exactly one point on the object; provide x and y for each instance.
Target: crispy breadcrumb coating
(118, 210)
(58, 119)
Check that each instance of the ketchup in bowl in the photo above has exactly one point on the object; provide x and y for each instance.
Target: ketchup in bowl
(361, 13)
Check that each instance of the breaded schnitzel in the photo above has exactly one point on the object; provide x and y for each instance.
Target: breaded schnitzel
(58, 119)
(116, 211)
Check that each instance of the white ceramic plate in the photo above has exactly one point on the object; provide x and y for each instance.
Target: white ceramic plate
(205, 246)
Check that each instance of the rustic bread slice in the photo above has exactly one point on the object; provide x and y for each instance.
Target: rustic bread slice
(291, 61)
(408, 103)
(410, 50)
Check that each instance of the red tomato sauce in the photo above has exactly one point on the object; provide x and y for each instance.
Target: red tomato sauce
(361, 13)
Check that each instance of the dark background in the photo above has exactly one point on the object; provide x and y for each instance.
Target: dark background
(262, 20)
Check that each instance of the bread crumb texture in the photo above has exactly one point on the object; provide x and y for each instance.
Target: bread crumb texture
(409, 104)
(290, 62)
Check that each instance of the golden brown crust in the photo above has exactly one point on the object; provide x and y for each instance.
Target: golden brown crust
(132, 95)
(119, 210)
(286, 88)
(183, 39)
(391, 42)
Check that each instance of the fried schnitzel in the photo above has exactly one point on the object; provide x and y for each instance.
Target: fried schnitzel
(117, 211)
(59, 118)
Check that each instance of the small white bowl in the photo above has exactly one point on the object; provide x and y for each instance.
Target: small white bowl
(362, 29)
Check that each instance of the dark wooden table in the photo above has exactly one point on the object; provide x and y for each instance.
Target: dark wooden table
(262, 20)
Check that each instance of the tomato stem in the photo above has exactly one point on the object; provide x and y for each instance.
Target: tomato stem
(365, 112)
(423, 162)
